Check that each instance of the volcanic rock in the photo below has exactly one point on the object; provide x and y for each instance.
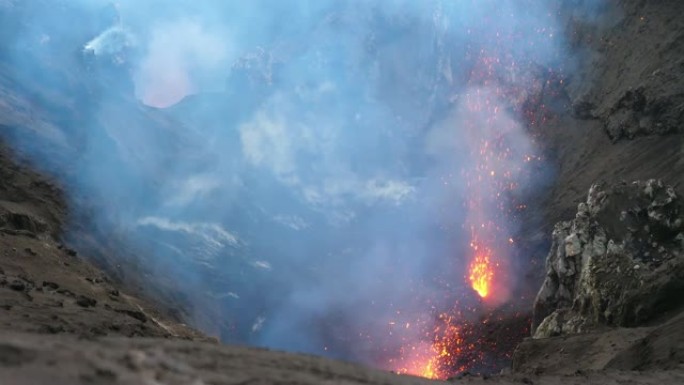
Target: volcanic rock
(45, 287)
(642, 98)
(17, 285)
(648, 349)
(620, 262)
(84, 301)
(20, 223)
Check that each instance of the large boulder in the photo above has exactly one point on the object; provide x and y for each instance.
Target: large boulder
(620, 262)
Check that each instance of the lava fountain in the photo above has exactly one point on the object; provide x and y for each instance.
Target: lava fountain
(481, 272)
(451, 351)
(500, 151)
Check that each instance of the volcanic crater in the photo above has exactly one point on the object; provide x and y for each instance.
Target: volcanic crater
(551, 189)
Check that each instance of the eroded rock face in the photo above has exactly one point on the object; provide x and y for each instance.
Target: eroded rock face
(21, 223)
(620, 262)
(642, 98)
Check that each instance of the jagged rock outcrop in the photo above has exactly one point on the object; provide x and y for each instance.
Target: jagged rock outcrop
(20, 223)
(620, 262)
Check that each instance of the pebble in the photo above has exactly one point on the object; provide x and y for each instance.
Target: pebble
(17, 285)
(84, 301)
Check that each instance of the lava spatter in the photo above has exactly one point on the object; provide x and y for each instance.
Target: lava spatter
(481, 273)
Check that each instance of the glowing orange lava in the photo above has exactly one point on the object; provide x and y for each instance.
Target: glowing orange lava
(428, 371)
(448, 353)
(422, 364)
(481, 274)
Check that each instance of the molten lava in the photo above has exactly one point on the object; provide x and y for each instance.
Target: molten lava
(421, 361)
(453, 349)
(481, 273)
(429, 371)
(424, 367)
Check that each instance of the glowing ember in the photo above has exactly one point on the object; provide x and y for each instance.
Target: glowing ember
(481, 273)
(423, 362)
(451, 351)
(458, 345)
(427, 369)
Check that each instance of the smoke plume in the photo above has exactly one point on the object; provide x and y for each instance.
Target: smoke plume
(307, 175)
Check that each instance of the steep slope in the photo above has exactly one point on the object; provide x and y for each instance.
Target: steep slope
(45, 287)
(623, 118)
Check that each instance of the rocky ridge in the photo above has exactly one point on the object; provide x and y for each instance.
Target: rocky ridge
(620, 262)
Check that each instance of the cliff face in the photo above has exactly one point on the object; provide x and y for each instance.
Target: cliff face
(620, 262)
(613, 270)
(624, 123)
(623, 120)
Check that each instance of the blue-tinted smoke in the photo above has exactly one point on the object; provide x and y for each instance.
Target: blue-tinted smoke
(293, 169)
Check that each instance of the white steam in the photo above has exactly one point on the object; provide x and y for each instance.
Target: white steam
(182, 57)
(114, 41)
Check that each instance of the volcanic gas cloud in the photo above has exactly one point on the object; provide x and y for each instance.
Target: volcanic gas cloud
(336, 178)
